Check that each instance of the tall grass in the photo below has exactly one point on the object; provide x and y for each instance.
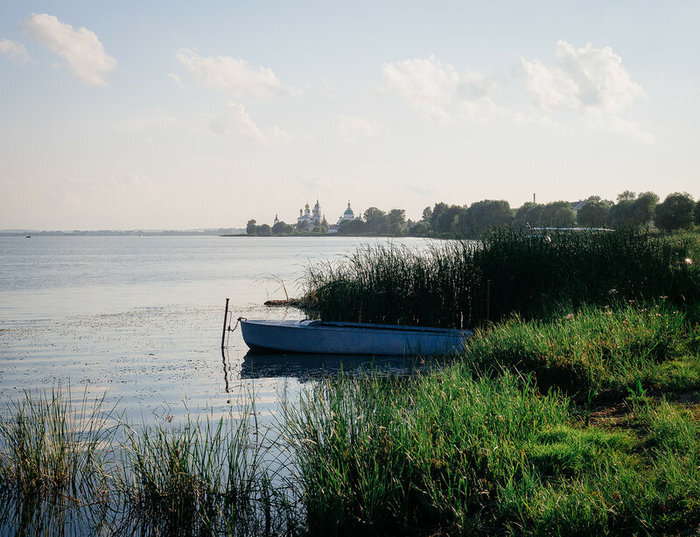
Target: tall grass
(384, 456)
(451, 454)
(202, 477)
(456, 284)
(532, 274)
(507, 441)
(597, 352)
(398, 285)
(51, 447)
(68, 468)
(52, 458)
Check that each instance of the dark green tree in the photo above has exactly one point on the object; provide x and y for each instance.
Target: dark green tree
(530, 214)
(251, 228)
(483, 215)
(594, 213)
(353, 227)
(375, 219)
(622, 214)
(436, 215)
(626, 195)
(444, 218)
(631, 211)
(675, 212)
(420, 229)
(395, 221)
(644, 208)
(282, 228)
(558, 214)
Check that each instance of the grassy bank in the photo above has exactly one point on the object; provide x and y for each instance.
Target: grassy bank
(540, 275)
(457, 455)
(597, 353)
(582, 426)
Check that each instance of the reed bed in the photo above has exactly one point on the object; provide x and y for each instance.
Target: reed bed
(535, 275)
(52, 454)
(51, 447)
(202, 478)
(73, 468)
(397, 285)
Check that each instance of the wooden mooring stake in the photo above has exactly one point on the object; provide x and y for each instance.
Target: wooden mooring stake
(223, 334)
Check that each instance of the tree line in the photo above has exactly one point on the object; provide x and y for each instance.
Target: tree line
(643, 211)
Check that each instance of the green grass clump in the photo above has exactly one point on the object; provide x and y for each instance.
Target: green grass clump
(53, 454)
(49, 447)
(567, 451)
(202, 477)
(597, 352)
(68, 468)
(385, 456)
(397, 285)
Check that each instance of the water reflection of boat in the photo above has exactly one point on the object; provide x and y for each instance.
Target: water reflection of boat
(315, 366)
(325, 337)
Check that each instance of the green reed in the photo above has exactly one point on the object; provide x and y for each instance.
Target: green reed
(383, 455)
(49, 447)
(536, 275)
(395, 284)
(76, 469)
(202, 477)
(53, 455)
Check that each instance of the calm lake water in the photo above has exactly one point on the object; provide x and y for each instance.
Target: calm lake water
(140, 319)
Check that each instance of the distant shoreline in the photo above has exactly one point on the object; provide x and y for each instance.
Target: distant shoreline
(214, 232)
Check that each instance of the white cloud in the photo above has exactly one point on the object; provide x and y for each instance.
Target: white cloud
(13, 50)
(235, 119)
(587, 79)
(234, 75)
(353, 127)
(176, 78)
(81, 48)
(438, 90)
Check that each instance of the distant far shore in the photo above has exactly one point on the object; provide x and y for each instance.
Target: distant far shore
(226, 232)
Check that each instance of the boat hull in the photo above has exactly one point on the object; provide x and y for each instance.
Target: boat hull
(351, 338)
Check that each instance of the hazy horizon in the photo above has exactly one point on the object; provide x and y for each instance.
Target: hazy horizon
(160, 116)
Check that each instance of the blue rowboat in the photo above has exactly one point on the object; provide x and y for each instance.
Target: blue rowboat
(324, 337)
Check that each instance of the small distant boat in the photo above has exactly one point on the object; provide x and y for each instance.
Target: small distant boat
(324, 337)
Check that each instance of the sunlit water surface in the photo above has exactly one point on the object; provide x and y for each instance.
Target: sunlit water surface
(140, 319)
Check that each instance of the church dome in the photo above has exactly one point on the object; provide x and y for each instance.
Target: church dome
(348, 212)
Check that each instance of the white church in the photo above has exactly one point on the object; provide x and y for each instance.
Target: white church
(310, 218)
(347, 215)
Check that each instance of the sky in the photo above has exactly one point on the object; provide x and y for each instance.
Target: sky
(183, 115)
